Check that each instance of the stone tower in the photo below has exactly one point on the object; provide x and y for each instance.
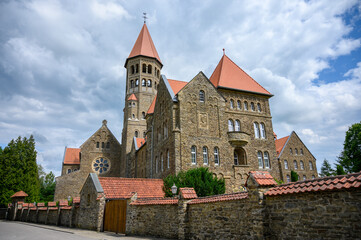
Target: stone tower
(143, 73)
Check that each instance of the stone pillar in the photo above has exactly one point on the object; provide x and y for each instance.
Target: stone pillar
(101, 210)
(182, 219)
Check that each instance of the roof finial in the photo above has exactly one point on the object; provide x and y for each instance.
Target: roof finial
(224, 51)
(145, 17)
(105, 122)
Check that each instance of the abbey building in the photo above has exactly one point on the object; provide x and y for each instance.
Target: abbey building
(222, 122)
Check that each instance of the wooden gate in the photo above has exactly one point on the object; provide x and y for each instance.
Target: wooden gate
(115, 216)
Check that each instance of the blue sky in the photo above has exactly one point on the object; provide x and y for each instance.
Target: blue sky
(62, 63)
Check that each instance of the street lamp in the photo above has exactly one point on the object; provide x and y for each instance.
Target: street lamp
(174, 189)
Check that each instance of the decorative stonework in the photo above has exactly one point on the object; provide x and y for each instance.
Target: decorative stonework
(101, 165)
(203, 120)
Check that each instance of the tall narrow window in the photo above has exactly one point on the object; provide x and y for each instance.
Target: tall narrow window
(143, 115)
(304, 177)
(216, 156)
(150, 69)
(132, 69)
(231, 104)
(136, 82)
(301, 151)
(260, 160)
(165, 130)
(230, 125)
(286, 164)
(132, 84)
(266, 160)
(256, 130)
(237, 126)
(144, 82)
(288, 178)
(144, 68)
(193, 154)
(205, 155)
(310, 164)
(313, 176)
(291, 151)
(201, 96)
(149, 83)
(259, 107)
(296, 151)
(235, 156)
(263, 131)
(137, 68)
(239, 106)
(144, 134)
(252, 106)
(156, 164)
(103, 145)
(97, 144)
(167, 158)
(302, 166)
(295, 165)
(136, 133)
(245, 106)
(108, 145)
(161, 162)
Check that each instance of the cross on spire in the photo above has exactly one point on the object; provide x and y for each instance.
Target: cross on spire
(145, 17)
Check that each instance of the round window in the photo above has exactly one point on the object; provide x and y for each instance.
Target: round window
(101, 165)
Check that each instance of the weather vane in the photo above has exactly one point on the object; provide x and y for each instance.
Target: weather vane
(145, 17)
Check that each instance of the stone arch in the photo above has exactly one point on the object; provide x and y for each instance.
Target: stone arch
(241, 154)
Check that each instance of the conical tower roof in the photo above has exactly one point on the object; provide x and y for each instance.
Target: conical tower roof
(228, 75)
(144, 46)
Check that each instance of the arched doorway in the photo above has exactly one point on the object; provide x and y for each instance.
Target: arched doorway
(240, 157)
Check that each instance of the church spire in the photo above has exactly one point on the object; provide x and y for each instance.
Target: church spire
(144, 46)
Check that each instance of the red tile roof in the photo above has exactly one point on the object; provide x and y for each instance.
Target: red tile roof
(319, 184)
(115, 188)
(228, 75)
(51, 204)
(144, 45)
(220, 198)
(155, 201)
(152, 105)
(76, 200)
(63, 202)
(72, 156)
(176, 85)
(262, 178)
(280, 143)
(19, 194)
(132, 97)
(140, 142)
(188, 193)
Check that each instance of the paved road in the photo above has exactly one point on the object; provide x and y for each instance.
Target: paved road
(11, 230)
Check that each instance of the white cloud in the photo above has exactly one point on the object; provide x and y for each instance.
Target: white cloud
(109, 10)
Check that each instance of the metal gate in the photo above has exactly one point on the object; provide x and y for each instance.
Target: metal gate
(115, 216)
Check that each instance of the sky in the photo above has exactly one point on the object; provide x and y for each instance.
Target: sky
(62, 64)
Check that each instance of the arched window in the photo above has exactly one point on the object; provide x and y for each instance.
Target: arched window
(144, 68)
(291, 151)
(69, 170)
(158, 73)
(144, 82)
(259, 107)
(144, 134)
(304, 177)
(235, 155)
(239, 106)
(286, 164)
(133, 104)
(301, 151)
(252, 106)
(296, 151)
(205, 156)
(256, 130)
(231, 104)
(288, 178)
(266, 160)
(150, 69)
(302, 166)
(137, 68)
(216, 156)
(260, 160)
(108, 145)
(245, 105)
(97, 144)
(193, 154)
(133, 116)
(149, 83)
(132, 84)
(311, 165)
(201, 96)
(165, 129)
(132, 69)
(155, 85)
(75, 169)
(263, 131)
(103, 144)
(237, 126)
(167, 158)
(295, 165)
(161, 162)
(136, 133)
(143, 115)
(136, 82)
(313, 176)
(230, 125)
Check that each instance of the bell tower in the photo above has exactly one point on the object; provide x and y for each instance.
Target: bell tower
(143, 74)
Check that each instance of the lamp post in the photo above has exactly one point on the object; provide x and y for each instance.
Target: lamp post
(174, 189)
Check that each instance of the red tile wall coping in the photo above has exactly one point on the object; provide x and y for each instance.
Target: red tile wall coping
(263, 178)
(220, 198)
(68, 207)
(51, 204)
(63, 203)
(41, 204)
(188, 193)
(53, 208)
(76, 200)
(155, 201)
(319, 184)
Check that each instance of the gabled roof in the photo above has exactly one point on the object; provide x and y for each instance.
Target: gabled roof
(152, 106)
(19, 194)
(262, 178)
(104, 127)
(71, 156)
(188, 193)
(176, 85)
(132, 97)
(228, 75)
(120, 188)
(319, 184)
(144, 46)
(138, 142)
(280, 143)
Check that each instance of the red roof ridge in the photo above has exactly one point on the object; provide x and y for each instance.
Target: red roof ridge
(152, 106)
(280, 144)
(220, 198)
(20, 194)
(132, 97)
(176, 85)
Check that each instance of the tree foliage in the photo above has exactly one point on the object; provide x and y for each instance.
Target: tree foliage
(203, 182)
(326, 169)
(19, 170)
(350, 158)
(294, 176)
(47, 185)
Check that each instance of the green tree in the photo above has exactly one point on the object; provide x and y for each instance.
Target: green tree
(326, 169)
(294, 176)
(203, 182)
(350, 158)
(47, 185)
(340, 170)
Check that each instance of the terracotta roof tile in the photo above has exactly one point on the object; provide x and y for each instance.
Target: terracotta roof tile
(140, 142)
(144, 45)
(319, 184)
(280, 143)
(63, 202)
(152, 105)
(19, 194)
(51, 204)
(72, 156)
(132, 97)
(155, 201)
(228, 75)
(188, 193)
(115, 188)
(76, 200)
(176, 85)
(220, 198)
(263, 178)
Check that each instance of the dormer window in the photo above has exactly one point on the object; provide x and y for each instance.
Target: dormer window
(201, 96)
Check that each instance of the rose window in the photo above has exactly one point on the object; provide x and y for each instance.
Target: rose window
(101, 165)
